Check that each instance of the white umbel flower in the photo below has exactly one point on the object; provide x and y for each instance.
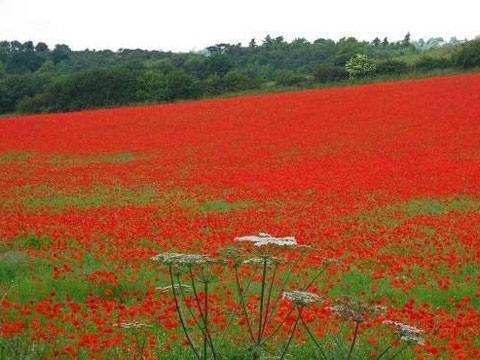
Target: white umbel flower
(263, 239)
(181, 259)
(301, 298)
(407, 333)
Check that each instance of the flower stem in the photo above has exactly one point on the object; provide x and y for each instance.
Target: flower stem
(355, 335)
(205, 336)
(398, 352)
(262, 298)
(242, 303)
(264, 326)
(290, 338)
(314, 339)
(205, 330)
(180, 316)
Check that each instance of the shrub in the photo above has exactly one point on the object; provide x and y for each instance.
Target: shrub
(93, 88)
(288, 78)
(429, 63)
(392, 67)
(152, 86)
(325, 73)
(180, 85)
(238, 81)
(469, 55)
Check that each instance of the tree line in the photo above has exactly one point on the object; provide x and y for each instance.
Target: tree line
(35, 78)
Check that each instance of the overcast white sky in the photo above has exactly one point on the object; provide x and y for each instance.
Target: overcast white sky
(183, 25)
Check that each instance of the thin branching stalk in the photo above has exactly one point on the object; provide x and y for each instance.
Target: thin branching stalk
(262, 299)
(398, 352)
(272, 283)
(355, 335)
(312, 336)
(285, 281)
(204, 329)
(243, 304)
(315, 278)
(290, 338)
(384, 352)
(190, 311)
(233, 314)
(180, 316)
(205, 335)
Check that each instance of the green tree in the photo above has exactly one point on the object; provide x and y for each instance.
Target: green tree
(180, 85)
(219, 64)
(469, 55)
(41, 48)
(237, 81)
(152, 86)
(60, 53)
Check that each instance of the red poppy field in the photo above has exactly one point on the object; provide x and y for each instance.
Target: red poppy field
(385, 178)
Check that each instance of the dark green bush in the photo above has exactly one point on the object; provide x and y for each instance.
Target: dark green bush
(238, 81)
(469, 55)
(288, 78)
(90, 89)
(428, 63)
(330, 73)
(392, 67)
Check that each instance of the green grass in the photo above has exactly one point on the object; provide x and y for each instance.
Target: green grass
(99, 196)
(83, 161)
(224, 206)
(393, 215)
(15, 157)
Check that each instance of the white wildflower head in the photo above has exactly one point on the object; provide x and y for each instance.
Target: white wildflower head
(183, 287)
(131, 325)
(349, 309)
(407, 333)
(269, 260)
(182, 259)
(301, 298)
(264, 239)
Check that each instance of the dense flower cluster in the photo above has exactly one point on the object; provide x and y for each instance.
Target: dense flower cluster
(384, 177)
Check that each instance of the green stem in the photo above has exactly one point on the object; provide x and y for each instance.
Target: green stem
(262, 297)
(384, 352)
(233, 314)
(205, 336)
(398, 352)
(315, 278)
(278, 327)
(314, 339)
(264, 326)
(286, 279)
(180, 316)
(290, 338)
(204, 330)
(242, 302)
(353, 341)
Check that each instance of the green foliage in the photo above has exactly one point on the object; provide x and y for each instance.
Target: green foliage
(392, 67)
(469, 55)
(288, 78)
(66, 80)
(429, 63)
(238, 81)
(152, 86)
(94, 88)
(324, 73)
(360, 66)
(180, 85)
(13, 88)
